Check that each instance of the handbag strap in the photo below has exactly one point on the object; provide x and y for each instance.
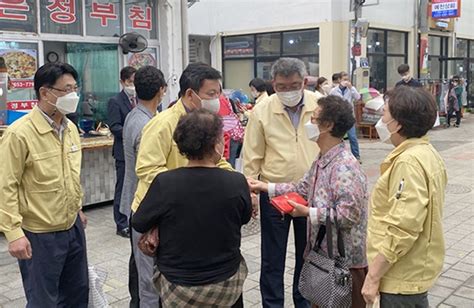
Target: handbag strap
(327, 230)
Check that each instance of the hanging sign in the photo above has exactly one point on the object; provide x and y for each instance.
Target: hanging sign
(445, 8)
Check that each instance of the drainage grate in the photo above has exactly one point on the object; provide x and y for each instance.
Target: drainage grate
(253, 227)
(457, 189)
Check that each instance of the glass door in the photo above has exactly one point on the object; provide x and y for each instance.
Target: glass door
(453, 66)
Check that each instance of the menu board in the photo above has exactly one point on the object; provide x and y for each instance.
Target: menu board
(21, 65)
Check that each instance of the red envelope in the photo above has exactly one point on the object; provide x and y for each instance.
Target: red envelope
(282, 205)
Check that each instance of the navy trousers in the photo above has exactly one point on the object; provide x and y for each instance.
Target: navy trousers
(274, 234)
(120, 219)
(57, 274)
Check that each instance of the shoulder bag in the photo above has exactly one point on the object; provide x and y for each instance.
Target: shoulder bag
(325, 279)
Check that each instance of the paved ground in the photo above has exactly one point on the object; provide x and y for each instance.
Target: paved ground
(455, 287)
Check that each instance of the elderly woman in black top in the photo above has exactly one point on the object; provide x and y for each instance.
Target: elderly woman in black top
(199, 211)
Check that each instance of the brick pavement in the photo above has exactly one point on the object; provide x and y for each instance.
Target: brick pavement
(455, 287)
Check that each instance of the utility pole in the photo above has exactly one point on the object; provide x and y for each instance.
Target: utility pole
(424, 42)
(357, 14)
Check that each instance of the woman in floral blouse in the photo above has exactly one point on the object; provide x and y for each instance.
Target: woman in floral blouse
(334, 181)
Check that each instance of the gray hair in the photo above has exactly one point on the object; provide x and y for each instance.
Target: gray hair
(288, 66)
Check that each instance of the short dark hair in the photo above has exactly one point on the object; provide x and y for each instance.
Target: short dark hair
(197, 133)
(343, 74)
(48, 74)
(336, 77)
(413, 108)
(194, 75)
(259, 84)
(336, 110)
(148, 81)
(127, 72)
(403, 69)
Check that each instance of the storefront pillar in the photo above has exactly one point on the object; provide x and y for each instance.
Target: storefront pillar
(334, 47)
(171, 47)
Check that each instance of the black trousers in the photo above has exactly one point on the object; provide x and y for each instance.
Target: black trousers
(120, 219)
(406, 301)
(450, 115)
(274, 234)
(57, 274)
(133, 277)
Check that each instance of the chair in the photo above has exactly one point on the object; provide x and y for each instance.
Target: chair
(364, 129)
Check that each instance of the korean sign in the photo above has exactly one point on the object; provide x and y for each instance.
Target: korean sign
(103, 17)
(61, 16)
(22, 105)
(445, 8)
(141, 17)
(18, 15)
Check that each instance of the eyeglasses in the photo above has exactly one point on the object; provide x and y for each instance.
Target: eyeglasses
(68, 89)
(287, 88)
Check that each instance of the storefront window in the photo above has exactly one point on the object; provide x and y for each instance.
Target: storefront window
(392, 73)
(21, 60)
(264, 68)
(396, 42)
(61, 17)
(461, 48)
(238, 73)
(312, 65)
(301, 42)
(18, 16)
(386, 50)
(471, 49)
(434, 44)
(268, 44)
(141, 17)
(378, 71)
(438, 49)
(103, 17)
(98, 68)
(376, 41)
(239, 46)
(269, 47)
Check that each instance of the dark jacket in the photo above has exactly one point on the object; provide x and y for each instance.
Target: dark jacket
(118, 108)
(411, 83)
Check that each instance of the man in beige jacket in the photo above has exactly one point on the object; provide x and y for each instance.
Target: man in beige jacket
(276, 149)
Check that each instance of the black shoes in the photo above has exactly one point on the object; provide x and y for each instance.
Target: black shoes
(125, 232)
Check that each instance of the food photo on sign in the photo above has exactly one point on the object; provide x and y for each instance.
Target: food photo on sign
(21, 65)
(146, 57)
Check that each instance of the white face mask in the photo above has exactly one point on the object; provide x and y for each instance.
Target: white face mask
(383, 131)
(291, 98)
(213, 105)
(312, 131)
(66, 104)
(327, 89)
(130, 90)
